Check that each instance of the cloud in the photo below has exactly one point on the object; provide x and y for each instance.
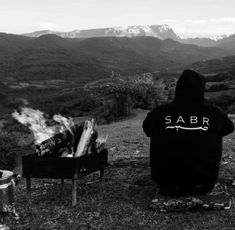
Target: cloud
(203, 27)
(116, 19)
(48, 26)
(195, 22)
(223, 20)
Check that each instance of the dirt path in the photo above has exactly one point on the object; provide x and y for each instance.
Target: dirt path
(126, 138)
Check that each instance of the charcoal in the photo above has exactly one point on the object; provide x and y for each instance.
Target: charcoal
(63, 144)
(92, 145)
(55, 145)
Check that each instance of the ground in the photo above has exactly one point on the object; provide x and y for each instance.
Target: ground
(121, 200)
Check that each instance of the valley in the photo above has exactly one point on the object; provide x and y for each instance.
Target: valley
(54, 72)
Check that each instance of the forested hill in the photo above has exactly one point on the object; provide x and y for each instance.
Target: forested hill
(51, 57)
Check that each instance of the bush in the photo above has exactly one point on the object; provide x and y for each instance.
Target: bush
(223, 101)
(219, 77)
(9, 151)
(231, 108)
(217, 87)
(113, 108)
(119, 95)
(11, 125)
(88, 103)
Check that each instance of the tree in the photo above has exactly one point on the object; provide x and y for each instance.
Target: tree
(120, 95)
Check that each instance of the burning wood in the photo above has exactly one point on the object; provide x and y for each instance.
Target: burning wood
(85, 139)
(100, 143)
(59, 144)
(80, 140)
(65, 139)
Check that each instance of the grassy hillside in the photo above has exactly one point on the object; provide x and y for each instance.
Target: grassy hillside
(50, 71)
(213, 66)
(121, 201)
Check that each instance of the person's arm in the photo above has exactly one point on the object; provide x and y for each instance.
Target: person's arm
(228, 126)
(149, 124)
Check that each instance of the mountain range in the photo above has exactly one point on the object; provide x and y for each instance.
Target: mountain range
(51, 57)
(159, 31)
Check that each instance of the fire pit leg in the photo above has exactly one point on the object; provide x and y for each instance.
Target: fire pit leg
(28, 187)
(74, 189)
(62, 181)
(101, 174)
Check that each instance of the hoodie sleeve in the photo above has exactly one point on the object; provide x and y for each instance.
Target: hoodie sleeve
(149, 123)
(227, 125)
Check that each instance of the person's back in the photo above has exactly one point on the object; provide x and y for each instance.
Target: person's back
(186, 139)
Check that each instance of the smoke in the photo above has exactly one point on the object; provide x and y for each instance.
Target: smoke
(37, 123)
(66, 123)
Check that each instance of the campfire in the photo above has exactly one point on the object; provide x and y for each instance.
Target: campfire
(60, 136)
(63, 149)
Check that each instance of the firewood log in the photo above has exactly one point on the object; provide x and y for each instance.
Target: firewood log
(100, 143)
(85, 138)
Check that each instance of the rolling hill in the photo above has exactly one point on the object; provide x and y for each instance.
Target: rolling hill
(50, 57)
(219, 65)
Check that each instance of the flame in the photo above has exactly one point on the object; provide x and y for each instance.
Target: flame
(36, 122)
(66, 123)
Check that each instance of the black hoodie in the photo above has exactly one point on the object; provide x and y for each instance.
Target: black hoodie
(186, 138)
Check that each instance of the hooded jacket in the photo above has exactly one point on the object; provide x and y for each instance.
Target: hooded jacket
(186, 137)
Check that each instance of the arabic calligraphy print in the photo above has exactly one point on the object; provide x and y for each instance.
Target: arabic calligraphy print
(187, 123)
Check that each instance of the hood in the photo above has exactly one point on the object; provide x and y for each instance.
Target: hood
(190, 87)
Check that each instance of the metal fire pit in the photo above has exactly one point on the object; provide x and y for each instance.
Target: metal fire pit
(63, 168)
(6, 190)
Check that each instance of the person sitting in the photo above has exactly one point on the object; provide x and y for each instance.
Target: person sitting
(186, 139)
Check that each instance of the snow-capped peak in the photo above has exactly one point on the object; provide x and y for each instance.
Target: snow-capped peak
(130, 31)
(164, 28)
(159, 31)
(219, 37)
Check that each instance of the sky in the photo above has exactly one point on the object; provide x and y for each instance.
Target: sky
(188, 18)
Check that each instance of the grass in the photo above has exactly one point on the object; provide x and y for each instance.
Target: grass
(121, 200)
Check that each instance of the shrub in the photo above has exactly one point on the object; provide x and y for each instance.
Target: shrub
(9, 151)
(89, 103)
(118, 95)
(219, 77)
(223, 101)
(231, 108)
(217, 87)
(11, 125)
